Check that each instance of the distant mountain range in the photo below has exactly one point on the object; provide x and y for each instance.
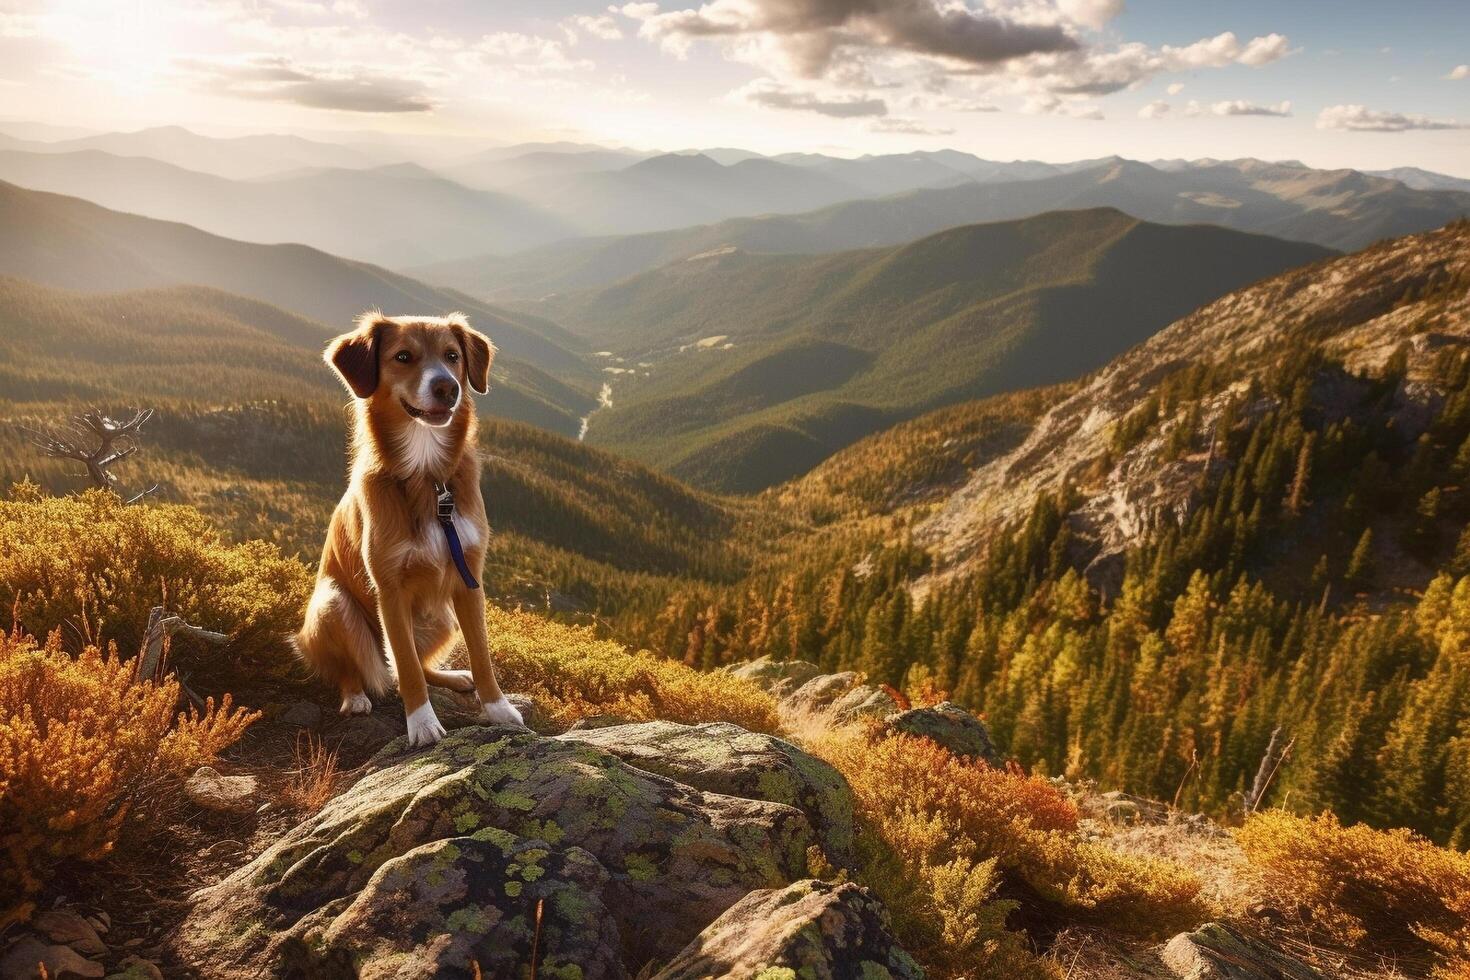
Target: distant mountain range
(737, 370)
(1341, 209)
(63, 241)
(398, 214)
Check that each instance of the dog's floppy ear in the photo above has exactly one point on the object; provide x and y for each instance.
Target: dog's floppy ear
(354, 356)
(479, 353)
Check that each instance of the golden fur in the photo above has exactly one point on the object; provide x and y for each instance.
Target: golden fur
(386, 580)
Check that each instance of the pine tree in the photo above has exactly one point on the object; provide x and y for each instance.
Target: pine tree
(1361, 565)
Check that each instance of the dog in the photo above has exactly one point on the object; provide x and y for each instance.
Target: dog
(391, 578)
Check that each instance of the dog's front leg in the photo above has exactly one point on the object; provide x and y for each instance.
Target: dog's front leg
(423, 724)
(469, 609)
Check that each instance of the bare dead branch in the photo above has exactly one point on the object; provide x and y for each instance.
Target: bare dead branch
(96, 441)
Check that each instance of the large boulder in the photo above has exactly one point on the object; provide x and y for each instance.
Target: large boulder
(821, 691)
(1217, 952)
(815, 930)
(437, 863)
(722, 758)
(777, 677)
(952, 727)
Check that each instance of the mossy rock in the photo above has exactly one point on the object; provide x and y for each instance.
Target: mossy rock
(812, 930)
(722, 758)
(952, 727)
(671, 859)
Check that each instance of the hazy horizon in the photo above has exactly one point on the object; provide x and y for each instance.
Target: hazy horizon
(1053, 80)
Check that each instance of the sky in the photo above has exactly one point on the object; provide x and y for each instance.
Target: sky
(1359, 83)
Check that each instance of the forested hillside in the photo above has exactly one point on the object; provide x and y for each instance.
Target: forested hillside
(67, 242)
(737, 370)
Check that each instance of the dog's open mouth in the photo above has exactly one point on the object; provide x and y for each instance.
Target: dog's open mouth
(439, 416)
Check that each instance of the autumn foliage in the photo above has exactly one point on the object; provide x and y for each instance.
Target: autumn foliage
(943, 833)
(1389, 891)
(84, 749)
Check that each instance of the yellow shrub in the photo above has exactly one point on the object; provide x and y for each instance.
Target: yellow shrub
(100, 565)
(913, 790)
(571, 673)
(82, 748)
(1391, 891)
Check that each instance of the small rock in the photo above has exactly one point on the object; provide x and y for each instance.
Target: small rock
(226, 794)
(813, 929)
(302, 714)
(821, 691)
(23, 960)
(952, 727)
(863, 701)
(62, 926)
(97, 924)
(137, 968)
(1217, 952)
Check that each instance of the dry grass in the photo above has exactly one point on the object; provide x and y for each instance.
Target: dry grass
(315, 779)
(1391, 893)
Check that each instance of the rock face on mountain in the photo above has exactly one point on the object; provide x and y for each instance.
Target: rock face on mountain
(811, 929)
(449, 860)
(1362, 306)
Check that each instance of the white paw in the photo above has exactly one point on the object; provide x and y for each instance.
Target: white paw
(459, 680)
(423, 726)
(500, 712)
(356, 704)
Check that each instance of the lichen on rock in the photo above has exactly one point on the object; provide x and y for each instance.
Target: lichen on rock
(435, 856)
(813, 930)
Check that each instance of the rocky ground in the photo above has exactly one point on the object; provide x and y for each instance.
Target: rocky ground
(609, 850)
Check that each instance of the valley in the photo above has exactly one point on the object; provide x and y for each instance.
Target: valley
(1032, 567)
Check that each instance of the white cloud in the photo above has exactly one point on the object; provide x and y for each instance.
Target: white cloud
(1238, 107)
(602, 27)
(1049, 105)
(273, 78)
(1459, 73)
(1175, 88)
(1104, 71)
(1156, 109)
(1362, 119)
(770, 94)
(1090, 13)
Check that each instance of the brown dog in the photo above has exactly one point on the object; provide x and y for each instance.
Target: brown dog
(388, 574)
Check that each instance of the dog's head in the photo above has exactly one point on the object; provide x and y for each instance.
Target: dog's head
(415, 364)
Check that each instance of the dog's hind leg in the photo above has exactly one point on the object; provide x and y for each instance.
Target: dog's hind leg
(337, 639)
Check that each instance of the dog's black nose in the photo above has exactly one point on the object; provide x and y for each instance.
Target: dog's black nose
(445, 391)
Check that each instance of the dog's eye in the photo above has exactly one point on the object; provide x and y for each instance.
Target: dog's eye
(403, 357)
(451, 356)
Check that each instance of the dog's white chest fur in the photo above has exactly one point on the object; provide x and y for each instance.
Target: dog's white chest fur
(422, 447)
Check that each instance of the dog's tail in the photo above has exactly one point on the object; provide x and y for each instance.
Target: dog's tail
(337, 641)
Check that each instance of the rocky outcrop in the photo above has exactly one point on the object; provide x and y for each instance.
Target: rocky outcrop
(722, 758)
(1217, 952)
(952, 727)
(820, 691)
(815, 930)
(776, 677)
(440, 862)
